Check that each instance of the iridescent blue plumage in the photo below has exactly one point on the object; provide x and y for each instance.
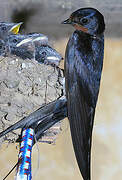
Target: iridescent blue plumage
(83, 67)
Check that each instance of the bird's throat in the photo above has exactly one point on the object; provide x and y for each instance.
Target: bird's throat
(81, 28)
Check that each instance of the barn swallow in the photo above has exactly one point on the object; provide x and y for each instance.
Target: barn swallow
(47, 55)
(32, 46)
(53, 112)
(43, 52)
(38, 38)
(21, 46)
(83, 68)
(9, 28)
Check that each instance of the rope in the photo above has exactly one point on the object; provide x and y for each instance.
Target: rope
(24, 167)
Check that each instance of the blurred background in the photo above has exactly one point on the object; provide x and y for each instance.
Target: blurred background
(52, 162)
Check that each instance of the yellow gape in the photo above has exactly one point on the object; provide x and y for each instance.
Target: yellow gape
(15, 28)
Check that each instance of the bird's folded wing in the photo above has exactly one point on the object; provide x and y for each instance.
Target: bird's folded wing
(81, 118)
(45, 114)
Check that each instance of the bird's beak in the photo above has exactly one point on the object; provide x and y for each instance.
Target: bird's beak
(15, 28)
(68, 21)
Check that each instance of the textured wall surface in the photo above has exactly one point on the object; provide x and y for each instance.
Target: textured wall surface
(25, 85)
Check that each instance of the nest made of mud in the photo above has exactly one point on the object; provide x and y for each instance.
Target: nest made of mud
(25, 85)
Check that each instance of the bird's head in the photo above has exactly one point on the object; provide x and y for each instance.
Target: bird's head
(48, 55)
(9, 28)
(88, 20)
(15, 39)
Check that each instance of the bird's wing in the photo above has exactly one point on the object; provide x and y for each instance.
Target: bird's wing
(80, 114)
(81, 118)
(47, 116)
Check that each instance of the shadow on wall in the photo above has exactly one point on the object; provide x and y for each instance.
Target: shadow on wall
(23, 15)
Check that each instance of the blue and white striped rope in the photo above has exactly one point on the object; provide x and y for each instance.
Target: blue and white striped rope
(24, 165)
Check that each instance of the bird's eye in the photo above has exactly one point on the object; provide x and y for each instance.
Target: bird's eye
(3, 28)
(44, 54)
(84, 20)
(14, 40)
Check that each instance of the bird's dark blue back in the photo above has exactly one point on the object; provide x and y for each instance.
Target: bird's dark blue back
(83, 66)
(84, 59)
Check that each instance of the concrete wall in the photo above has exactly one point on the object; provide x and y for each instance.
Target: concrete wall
(46, 15)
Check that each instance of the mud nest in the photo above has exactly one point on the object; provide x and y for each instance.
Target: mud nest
(25, 85)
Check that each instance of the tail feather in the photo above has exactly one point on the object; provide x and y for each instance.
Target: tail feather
(81, 119)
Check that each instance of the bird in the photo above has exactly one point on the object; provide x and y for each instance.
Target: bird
(9, 28)
(30, 46)
(5, 30)
(24, 46)
(41, 119)
(83, 67)
(42, 51)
